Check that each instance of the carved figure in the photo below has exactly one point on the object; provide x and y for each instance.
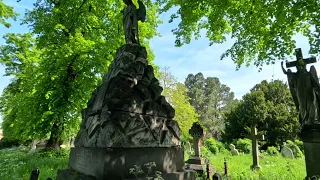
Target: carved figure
(304, 87)
(131, 16)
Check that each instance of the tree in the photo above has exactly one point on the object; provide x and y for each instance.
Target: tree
(21, 59)
(269, 106)
(6, 12)
(263, 30)
(77, 39)
(176, 94)
(210, 99)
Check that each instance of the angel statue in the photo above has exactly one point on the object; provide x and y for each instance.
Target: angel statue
(305, 90)
(131, 16)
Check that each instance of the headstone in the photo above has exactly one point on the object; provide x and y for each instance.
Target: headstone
(195, 162)
(304, 87)
(127, 122)
(35, 174)
(217, 176)
(255, 148)
(33, 146)
(233, 150)
(287, 152)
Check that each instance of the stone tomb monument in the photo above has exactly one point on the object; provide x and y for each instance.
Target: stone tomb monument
(127, 122)
(305, 90)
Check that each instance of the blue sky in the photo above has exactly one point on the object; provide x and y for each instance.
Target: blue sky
(196, 57)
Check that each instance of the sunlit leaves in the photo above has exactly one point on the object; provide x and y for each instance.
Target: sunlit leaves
(263, 30)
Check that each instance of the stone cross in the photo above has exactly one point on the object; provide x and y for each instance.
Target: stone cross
(197, 133)
(255, 150)
(299, 57)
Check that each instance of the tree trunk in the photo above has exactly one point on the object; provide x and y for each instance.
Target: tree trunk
(54, 141)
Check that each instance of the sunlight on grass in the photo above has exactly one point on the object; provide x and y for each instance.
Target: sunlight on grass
(18, 163)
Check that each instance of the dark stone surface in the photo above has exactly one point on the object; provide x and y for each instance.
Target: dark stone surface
(127, 109)
(102, 163)
(68, 174)
(312, 158)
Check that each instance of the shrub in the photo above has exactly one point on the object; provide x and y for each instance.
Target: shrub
(214, 146)
(299, 144)
(295, 149)
(244, 145)
(273, 151)
(50, 152)
(8, 143)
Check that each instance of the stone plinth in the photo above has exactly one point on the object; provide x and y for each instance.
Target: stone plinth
(115, 163)
(311, 142)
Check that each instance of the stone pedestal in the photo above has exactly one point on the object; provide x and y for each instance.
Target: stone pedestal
(96, 163)
(311, 143)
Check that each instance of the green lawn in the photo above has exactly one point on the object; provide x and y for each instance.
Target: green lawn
(273, 167)
(17, 164)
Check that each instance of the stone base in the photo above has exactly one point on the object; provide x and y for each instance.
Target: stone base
(196, 164)
(311, 143)
(67, 174)
(96, 163)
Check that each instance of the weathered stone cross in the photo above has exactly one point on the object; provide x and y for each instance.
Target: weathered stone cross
(197, 133)
(255, 150)
(299, 57)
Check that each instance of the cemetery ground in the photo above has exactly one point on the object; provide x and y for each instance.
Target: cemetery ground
(17, 163)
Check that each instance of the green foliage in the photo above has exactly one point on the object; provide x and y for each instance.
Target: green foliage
(299, 144)
(244, 145)
(263, 30)
(295, 149)
(211, 99)
(62, 66)
(273, 167)
(50, 152)
(273, 151)
(8, 143)
(6, 12)
(176, 94)
(16, 163)
(150, 173)
(270, 106)
(214, 146)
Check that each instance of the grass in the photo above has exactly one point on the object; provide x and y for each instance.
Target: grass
(17, 163)
(273, 167)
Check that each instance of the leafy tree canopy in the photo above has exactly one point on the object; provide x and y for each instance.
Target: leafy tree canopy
(176, 94)
(263, 29)
(211, 99)
(269, 106)
(76, 40)
(6, 12)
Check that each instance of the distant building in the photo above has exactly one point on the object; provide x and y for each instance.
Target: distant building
(1, 135)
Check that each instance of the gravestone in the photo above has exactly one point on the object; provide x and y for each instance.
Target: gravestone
(305, 90)
(287, 152)
(126, 123)
(255, 149)
(196, 162)
(33, 146)
(233, 150)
